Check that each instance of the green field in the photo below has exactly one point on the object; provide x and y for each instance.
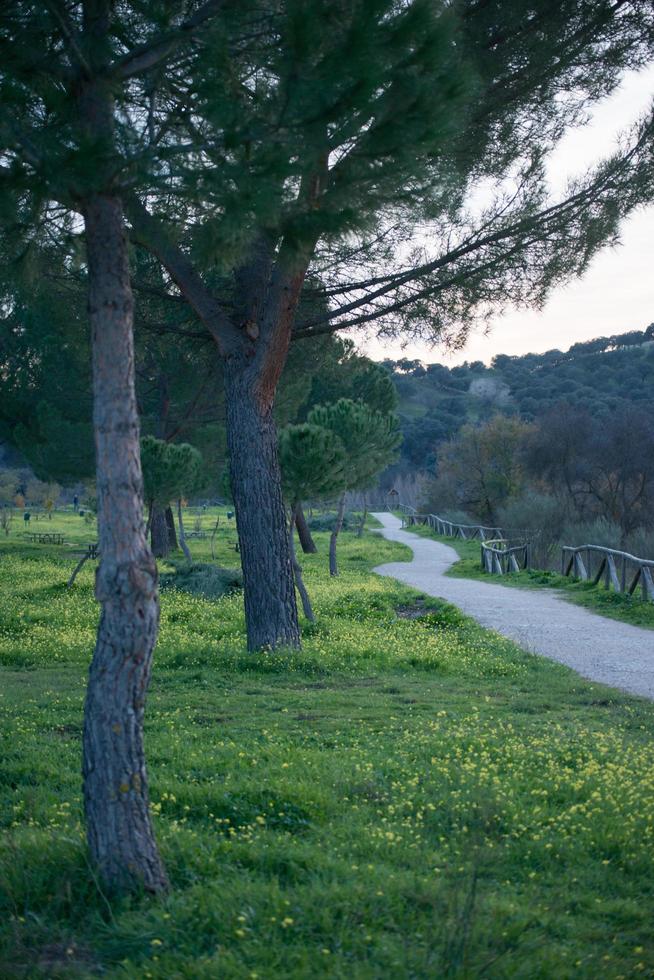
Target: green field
(627, 608)
(410, 796)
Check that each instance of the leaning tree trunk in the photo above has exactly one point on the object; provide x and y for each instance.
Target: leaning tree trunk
(270, 607)
(116, 801)
(303, 532)
(159, 536)
(182, 536)
(297, 570)
(172, 532)
(333, 565)
(364, 515)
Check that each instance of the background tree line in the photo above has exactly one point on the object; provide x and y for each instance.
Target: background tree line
(569, 476)
(598, 376)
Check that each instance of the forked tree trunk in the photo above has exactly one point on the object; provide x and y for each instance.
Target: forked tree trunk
(159, 536)
(182, 536)
(172, 532)
(116, 801)
(303, 532)
(297, 570)
(333, 565)
(270, 608)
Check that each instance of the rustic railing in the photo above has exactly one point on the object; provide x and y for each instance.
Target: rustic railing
(449, 529)
(619, 570)
(499, 557)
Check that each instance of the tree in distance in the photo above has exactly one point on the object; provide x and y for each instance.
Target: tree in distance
(170, 471)
(482, 467)
(370, 440)
(313, 463)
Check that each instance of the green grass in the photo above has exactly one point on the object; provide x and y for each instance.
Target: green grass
(409, 796)
(627, 608)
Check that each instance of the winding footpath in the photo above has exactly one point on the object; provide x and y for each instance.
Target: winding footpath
(598, 648)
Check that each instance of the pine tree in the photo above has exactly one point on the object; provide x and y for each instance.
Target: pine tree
(325, 143)
(370, 440)
(313, 464)
(170, 471)
(63, 69)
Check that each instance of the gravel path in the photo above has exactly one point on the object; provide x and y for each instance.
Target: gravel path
(600, 649)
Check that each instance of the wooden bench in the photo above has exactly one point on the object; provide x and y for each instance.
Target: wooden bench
(46, 537)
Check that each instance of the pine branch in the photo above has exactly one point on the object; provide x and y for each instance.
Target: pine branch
(68, 33)
(149, 232)
(550, 219)
(149, 55)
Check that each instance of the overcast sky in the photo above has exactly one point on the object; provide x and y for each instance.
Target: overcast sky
(617, 292)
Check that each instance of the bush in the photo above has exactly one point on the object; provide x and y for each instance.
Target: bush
(202, 579)
(538, 512)
(326, 521)
(641, 543)
(601, 531)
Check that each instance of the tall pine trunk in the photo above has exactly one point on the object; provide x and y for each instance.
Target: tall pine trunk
(116, 801)
(333, 564)
(303, 532)
(182, 535)
(270, 607)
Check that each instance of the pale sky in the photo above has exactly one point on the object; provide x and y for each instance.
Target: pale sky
(617, 292)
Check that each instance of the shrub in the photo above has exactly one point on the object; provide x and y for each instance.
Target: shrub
(325, 521)
(539, 512)
(600, 531)
(202, 579)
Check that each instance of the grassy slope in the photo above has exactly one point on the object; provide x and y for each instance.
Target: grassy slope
(405, 797)
(629, 609)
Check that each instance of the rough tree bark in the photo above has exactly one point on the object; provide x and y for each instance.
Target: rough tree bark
(182, 536)
(116, 801)
(303, 532)
(333, 565)
(270, 607)
(297, 570)
(159, 535)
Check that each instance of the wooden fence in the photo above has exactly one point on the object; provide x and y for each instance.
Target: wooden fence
(619, 570)
(499, 557)
(449, 529)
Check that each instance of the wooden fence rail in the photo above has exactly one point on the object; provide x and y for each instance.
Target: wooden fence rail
(449, 529)
(619, 570)
(499, 557)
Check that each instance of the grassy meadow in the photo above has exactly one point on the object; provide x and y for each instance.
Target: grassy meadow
(409, 796)
(629, 609)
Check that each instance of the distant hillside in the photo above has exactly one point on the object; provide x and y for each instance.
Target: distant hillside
(597, 375)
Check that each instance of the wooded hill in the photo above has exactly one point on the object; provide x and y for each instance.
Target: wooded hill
(598, 376)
